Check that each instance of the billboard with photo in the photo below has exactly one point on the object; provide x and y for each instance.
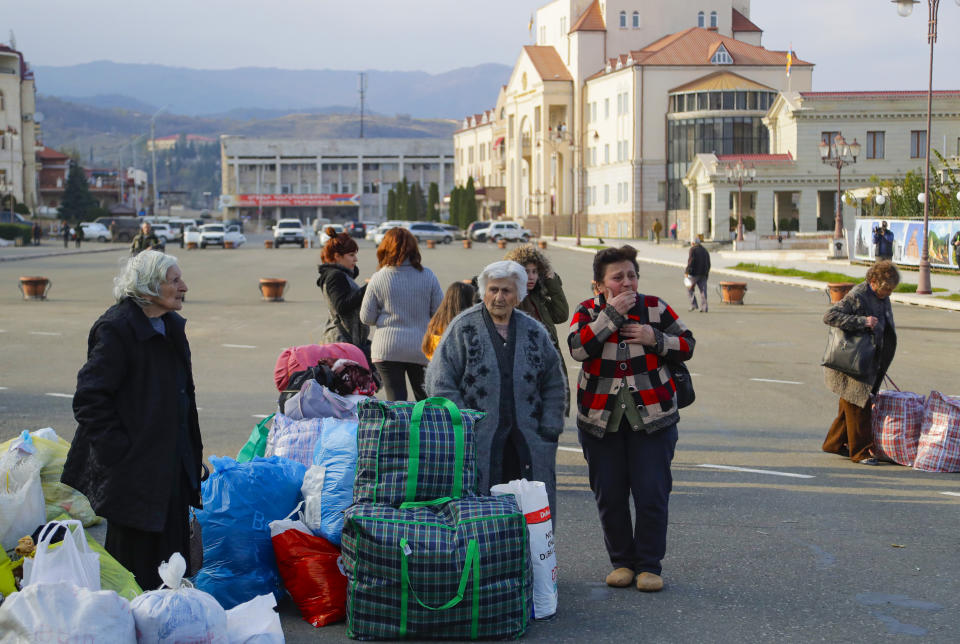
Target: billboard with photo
(908, 241)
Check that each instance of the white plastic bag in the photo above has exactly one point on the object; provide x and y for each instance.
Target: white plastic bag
(21, 497)
(62, 612)
(255, 622)
(71, 561)
(180, 613)
(289, 523)
(316, 401)
(532, 498)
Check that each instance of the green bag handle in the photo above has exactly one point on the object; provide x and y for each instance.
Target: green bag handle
(471, 565)
(256, 444)
(413, 462)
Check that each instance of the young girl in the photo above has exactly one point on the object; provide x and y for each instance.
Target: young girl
(459, 297)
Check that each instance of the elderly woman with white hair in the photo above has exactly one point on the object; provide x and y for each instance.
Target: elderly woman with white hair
(137, 450)
(499, 360)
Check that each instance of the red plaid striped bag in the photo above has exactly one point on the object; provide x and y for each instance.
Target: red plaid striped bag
(896, 420)
(939, 448)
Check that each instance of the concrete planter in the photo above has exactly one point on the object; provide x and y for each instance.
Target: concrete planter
(467, 243)
(542, 244)
(268, 243)
(228, 244)
(34, 287)
(501, 243)
(431, 243)
(836, 290)
(191, 245)
(272, 289)
(306, 243)
(733, 292)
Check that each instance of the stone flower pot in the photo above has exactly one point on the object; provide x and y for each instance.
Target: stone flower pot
(501, 243)
(272, 289)
(34, 287)
(542, 244)
(467, 243)
(228, 244)
(268, 243)
(733, 292)
(836, 290)
(431, 243)
(306, 243)
(191, 245)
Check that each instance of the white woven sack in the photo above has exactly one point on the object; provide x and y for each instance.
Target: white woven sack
(62, 612)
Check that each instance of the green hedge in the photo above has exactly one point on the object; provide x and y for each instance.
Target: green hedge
(12, 231)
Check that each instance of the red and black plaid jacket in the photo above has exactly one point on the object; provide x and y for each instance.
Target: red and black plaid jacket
(609, 364)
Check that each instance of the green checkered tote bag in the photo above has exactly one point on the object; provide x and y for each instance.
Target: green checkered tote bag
(459, 569)
(415, 452)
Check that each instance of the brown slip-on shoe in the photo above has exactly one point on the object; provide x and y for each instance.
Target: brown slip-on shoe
(620, 578)
(648, 582)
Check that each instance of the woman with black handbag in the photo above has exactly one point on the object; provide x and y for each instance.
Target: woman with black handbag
(866, 316)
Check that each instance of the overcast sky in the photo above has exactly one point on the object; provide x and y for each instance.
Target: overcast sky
(855, 44)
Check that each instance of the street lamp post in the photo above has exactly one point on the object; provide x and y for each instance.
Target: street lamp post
(739, 174)
(839, 154)
(905, 8)
(153, 147)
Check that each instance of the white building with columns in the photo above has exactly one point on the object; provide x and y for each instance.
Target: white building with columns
(337, 179)
(794, 190)
(581, 134)
(18, 130)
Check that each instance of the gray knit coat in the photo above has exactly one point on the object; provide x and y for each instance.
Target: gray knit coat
(400, 300)
(464, 369)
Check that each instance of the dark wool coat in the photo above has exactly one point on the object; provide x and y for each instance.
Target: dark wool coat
(124, 456)
(344, 297)
(698, 261)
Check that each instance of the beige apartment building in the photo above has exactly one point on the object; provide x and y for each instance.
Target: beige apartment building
(794, 190)
(18, 130)
(584, 124)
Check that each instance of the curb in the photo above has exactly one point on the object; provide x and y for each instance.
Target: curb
(55, 254)
(900, 298)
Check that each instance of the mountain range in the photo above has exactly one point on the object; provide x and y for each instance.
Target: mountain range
(242, 92)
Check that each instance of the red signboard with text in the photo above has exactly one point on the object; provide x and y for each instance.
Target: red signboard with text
(289, 200)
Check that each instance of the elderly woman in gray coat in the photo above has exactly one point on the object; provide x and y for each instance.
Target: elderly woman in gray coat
(865, 309)
(499, 360)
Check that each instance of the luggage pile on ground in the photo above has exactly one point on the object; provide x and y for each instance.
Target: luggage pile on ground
(917, 431)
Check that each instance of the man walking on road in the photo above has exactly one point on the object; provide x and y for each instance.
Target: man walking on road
(66, 234)
(698, 269)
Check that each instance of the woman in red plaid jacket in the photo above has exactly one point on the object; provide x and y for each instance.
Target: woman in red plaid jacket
(627, 412)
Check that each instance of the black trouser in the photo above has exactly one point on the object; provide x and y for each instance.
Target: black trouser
(394, 375)
(629, 462)
(142, 552)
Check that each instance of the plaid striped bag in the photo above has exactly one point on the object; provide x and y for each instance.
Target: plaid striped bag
(415, 452)
(939, 448)
(455, 570)
(896, 420)
(294, 439)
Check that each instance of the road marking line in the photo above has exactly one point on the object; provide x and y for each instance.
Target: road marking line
(61, 395)
(45, 333)
(753, 471)
(779, 382)
(2, 387)
(571, 449)
(951, 493)
(260, 415)
(239, 346)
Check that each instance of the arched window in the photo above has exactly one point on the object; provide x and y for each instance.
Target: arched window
(700, 20)
(623, 18)
(636, 19)
(713, 19)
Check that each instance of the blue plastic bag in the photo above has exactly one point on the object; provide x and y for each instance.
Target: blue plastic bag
(328, 485)
(239, 502)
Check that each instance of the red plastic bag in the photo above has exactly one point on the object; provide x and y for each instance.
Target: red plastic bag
(310, 568)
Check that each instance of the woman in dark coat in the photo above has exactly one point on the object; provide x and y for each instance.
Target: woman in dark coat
(545, 300)
(865, 307)
(344, 296)
(137, 451)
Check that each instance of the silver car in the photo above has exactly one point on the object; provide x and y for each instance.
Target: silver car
(426, 231)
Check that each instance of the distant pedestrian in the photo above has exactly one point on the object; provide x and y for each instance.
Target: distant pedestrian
(459, 297)
(78, 236)
(673, 231)
(113, 230)
(66, 234)
(502, 362)
(183, 235)
(343, 295)
(883, 240)
(146, 239)
(865, 309)
(37, 233)
(401, 298)
(657, 229)
(698, 270)
(545, 300)
(627, 413)
(955, 242)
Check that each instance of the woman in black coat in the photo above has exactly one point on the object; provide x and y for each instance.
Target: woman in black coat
(344, 296)
(137, 451)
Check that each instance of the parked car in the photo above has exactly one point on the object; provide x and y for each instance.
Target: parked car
(424, 231)
(384, 227)
(357, 229)
(126, 227)
(477, 231)
(324, 237)
(289, 231)
(217, 234)
(454, 230)
(7, 217)
(509, 230)
(93, 230)
(164, 233)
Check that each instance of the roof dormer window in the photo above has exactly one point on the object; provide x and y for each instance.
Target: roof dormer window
(713, 19)
(701, 20)
(721, 57)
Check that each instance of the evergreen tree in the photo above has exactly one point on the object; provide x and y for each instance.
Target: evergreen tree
(433, 202)
(456, 214)
(77, 200)
(391, 204)
(469, 204)
(412, 204)
(402, 191)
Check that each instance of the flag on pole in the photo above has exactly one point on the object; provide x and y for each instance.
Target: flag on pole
(530, 26)
(789, 59)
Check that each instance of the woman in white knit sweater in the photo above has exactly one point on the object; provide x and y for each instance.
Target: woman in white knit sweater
(400, 300)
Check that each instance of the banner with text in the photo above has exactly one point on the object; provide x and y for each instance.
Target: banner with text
(289, 200)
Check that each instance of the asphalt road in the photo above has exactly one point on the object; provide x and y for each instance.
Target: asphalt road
(850, 554)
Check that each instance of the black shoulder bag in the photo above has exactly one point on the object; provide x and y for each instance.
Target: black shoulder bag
(852, 353)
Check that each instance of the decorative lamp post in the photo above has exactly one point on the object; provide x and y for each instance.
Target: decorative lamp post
(739, 174)
(905, 8)
(153, 146)
(839, 154)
